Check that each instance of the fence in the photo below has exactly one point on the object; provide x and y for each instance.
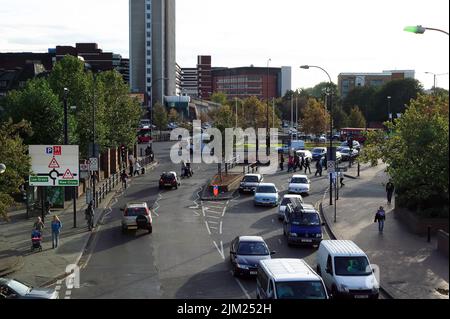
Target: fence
(107, 186)
(161, 137)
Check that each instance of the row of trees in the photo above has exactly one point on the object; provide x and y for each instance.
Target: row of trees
(35, 115)
(161, 117)
(417, 154)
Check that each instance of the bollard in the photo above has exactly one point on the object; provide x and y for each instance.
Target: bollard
(429, 234)
(359, 169)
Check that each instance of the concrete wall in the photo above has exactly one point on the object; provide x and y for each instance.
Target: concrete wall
(170, 47)
(443, 242)
(419, 226)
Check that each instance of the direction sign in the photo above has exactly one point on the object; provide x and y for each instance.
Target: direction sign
(331, 166)
(54, 165)
(93, 164)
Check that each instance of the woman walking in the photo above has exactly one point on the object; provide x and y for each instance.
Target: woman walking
(39, 225)
(56, 230)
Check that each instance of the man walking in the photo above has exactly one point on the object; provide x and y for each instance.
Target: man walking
(281, 162)
(318, 168)
(390, 191)
(380, 217)
(89, 214)
(307, 165)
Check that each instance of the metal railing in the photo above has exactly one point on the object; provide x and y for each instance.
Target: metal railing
(107, 186)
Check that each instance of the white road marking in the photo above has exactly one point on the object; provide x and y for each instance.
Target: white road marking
(211, 222)
(215, 217)
(279, 240)
(215, 228)
(224, 211)
(220, 250)
(207, 227)
(221, 224)
(242, 287)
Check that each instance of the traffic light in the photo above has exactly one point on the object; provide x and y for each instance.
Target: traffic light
(123, 152)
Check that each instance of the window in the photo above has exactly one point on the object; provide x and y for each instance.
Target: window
(149, 80)
(352, 266)
(149, 25)
(149, 43)
(148, 7)
(329, 264)
(262, 278)
(345, 84)
(149, 52)
(148, 16)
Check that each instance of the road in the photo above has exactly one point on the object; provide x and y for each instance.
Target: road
(187, 256)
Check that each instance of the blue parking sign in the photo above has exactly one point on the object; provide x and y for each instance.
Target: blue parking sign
(49, 150)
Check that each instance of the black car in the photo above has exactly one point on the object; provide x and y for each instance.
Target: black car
(169, 179)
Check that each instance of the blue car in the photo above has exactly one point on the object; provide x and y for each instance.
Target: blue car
(303, 226)
(318, 153)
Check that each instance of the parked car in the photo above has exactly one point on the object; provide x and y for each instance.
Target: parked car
(250, 182)
(145, 123)
(299, 184)
(356, 145)
(347, 154)
(304, 153)
(137, 216)
(245, 254)
(302, 225)
(346, 270)
(288, 279)
(169, 179)
(318, 153)
(294, 200)
(266, 194)
(14, 289)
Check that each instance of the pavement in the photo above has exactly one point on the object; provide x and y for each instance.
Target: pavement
(40, 269)
(410, 267)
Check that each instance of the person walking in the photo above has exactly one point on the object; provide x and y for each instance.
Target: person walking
(341, 179)
(302, 163)
(39, 225)
(296, 162)
(281, 162)
(137, 169)
(318, 168)
(89, 215)
(380, 217)
(290, 163)
(307, 165)
(390, 191)
(124, 179)
(56, 230)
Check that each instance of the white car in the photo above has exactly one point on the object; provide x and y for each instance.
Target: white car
(304, 153)
(299, 184)
(137, 216)
(294, 200)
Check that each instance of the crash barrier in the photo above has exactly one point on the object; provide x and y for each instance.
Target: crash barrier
(250, 169)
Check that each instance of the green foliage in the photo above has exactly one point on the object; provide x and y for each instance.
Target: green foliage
(316, 118)
(219, 97)
(340, 118)
(13, 153)
(417, 153)
(160, 116)
(356, 118)
(38, 105)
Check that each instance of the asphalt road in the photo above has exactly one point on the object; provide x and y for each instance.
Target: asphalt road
(187, 256)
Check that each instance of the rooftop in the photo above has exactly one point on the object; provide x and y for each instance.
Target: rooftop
(289, 270)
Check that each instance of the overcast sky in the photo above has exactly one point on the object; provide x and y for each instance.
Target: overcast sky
(340, 36)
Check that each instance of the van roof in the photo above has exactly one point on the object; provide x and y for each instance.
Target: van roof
(342, 248)
(284, 269)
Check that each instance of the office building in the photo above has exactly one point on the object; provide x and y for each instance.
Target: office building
(349, 81)
(152, 48)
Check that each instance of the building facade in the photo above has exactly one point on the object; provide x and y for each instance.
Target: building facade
(349, 81)
(152, 48)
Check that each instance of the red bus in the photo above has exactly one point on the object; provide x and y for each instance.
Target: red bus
(356, 133)
(144, 135)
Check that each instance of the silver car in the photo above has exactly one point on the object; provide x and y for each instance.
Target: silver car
(250, 182)
(245, 254)
(137, 216)
(13, 289)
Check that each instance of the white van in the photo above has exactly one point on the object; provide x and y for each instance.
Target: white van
(288, 279)
(346, 270)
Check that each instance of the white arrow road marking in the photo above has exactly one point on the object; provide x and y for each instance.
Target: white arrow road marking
(197, 206)
(207, 227)
(156, 204)
(242, 287)
(222, 254)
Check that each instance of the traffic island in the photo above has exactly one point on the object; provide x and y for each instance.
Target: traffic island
(225, 186)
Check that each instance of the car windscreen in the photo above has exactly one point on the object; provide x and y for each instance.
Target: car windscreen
(168, 177)
(352, 266)
(266, 189)
(318, 151)
(286, 201)
(136, 211)
(305, 219)
(345, 150)
(250, 179)
(299, 180)
(301, 290)
(18, 287)
(252, 249)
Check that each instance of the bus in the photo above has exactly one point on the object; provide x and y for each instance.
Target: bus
(356, 133)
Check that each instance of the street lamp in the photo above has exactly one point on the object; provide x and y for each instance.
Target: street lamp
(2, 168)
(267, 111)
(307, 67)
(389, 98)
(418, 29)
(434, 76)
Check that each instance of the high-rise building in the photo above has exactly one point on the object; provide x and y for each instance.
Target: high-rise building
(152, 48)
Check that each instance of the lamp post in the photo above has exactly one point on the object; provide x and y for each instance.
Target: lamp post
(434, 77)
(389, 98)
(307, 67)
(418, 29)
(267, 111)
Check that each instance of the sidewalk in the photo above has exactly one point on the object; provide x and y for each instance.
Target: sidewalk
(42, 268)
(410, 267)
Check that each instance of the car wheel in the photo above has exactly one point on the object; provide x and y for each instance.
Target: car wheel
(160, 187)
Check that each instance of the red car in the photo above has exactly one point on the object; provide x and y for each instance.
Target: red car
(169, 179)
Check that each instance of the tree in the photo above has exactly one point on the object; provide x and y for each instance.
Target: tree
(417, 154)
(319, 91)
(160, 116)
(316, 119)
(340, 118)
(356, 118)
(38, 105)
(363, 97)
(173, 116)
(13, 153)
(219, 97)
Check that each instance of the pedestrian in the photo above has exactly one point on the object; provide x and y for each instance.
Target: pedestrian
(282, 162)
(137, 169)
(302, 163)
(296, 162)
(89, 215)
(380, 217)
(390, 191)
(318, 168)
(342, 179)
(325, 163)
(47, 206)
(124, 179)
(56, 230)
(307, 165)
(290, 163)
(39, 225)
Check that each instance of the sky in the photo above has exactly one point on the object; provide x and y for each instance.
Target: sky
(340, 36)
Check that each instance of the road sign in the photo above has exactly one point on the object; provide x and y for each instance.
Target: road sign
(84, 167)
(331, 166)
(54, 165)
(93, 164)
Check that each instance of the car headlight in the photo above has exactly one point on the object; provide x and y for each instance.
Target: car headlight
(293, 234)
(344, 288)
(241, 266)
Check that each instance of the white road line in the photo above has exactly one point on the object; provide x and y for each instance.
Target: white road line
(214, 212)
(273, 221)
(242, 287)
(215, 228)
(221, 224)
(211, 206)
(279, 240)
(220, 250)
(207, 227)
(224, 211)
(211, 222)
(215, 217)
